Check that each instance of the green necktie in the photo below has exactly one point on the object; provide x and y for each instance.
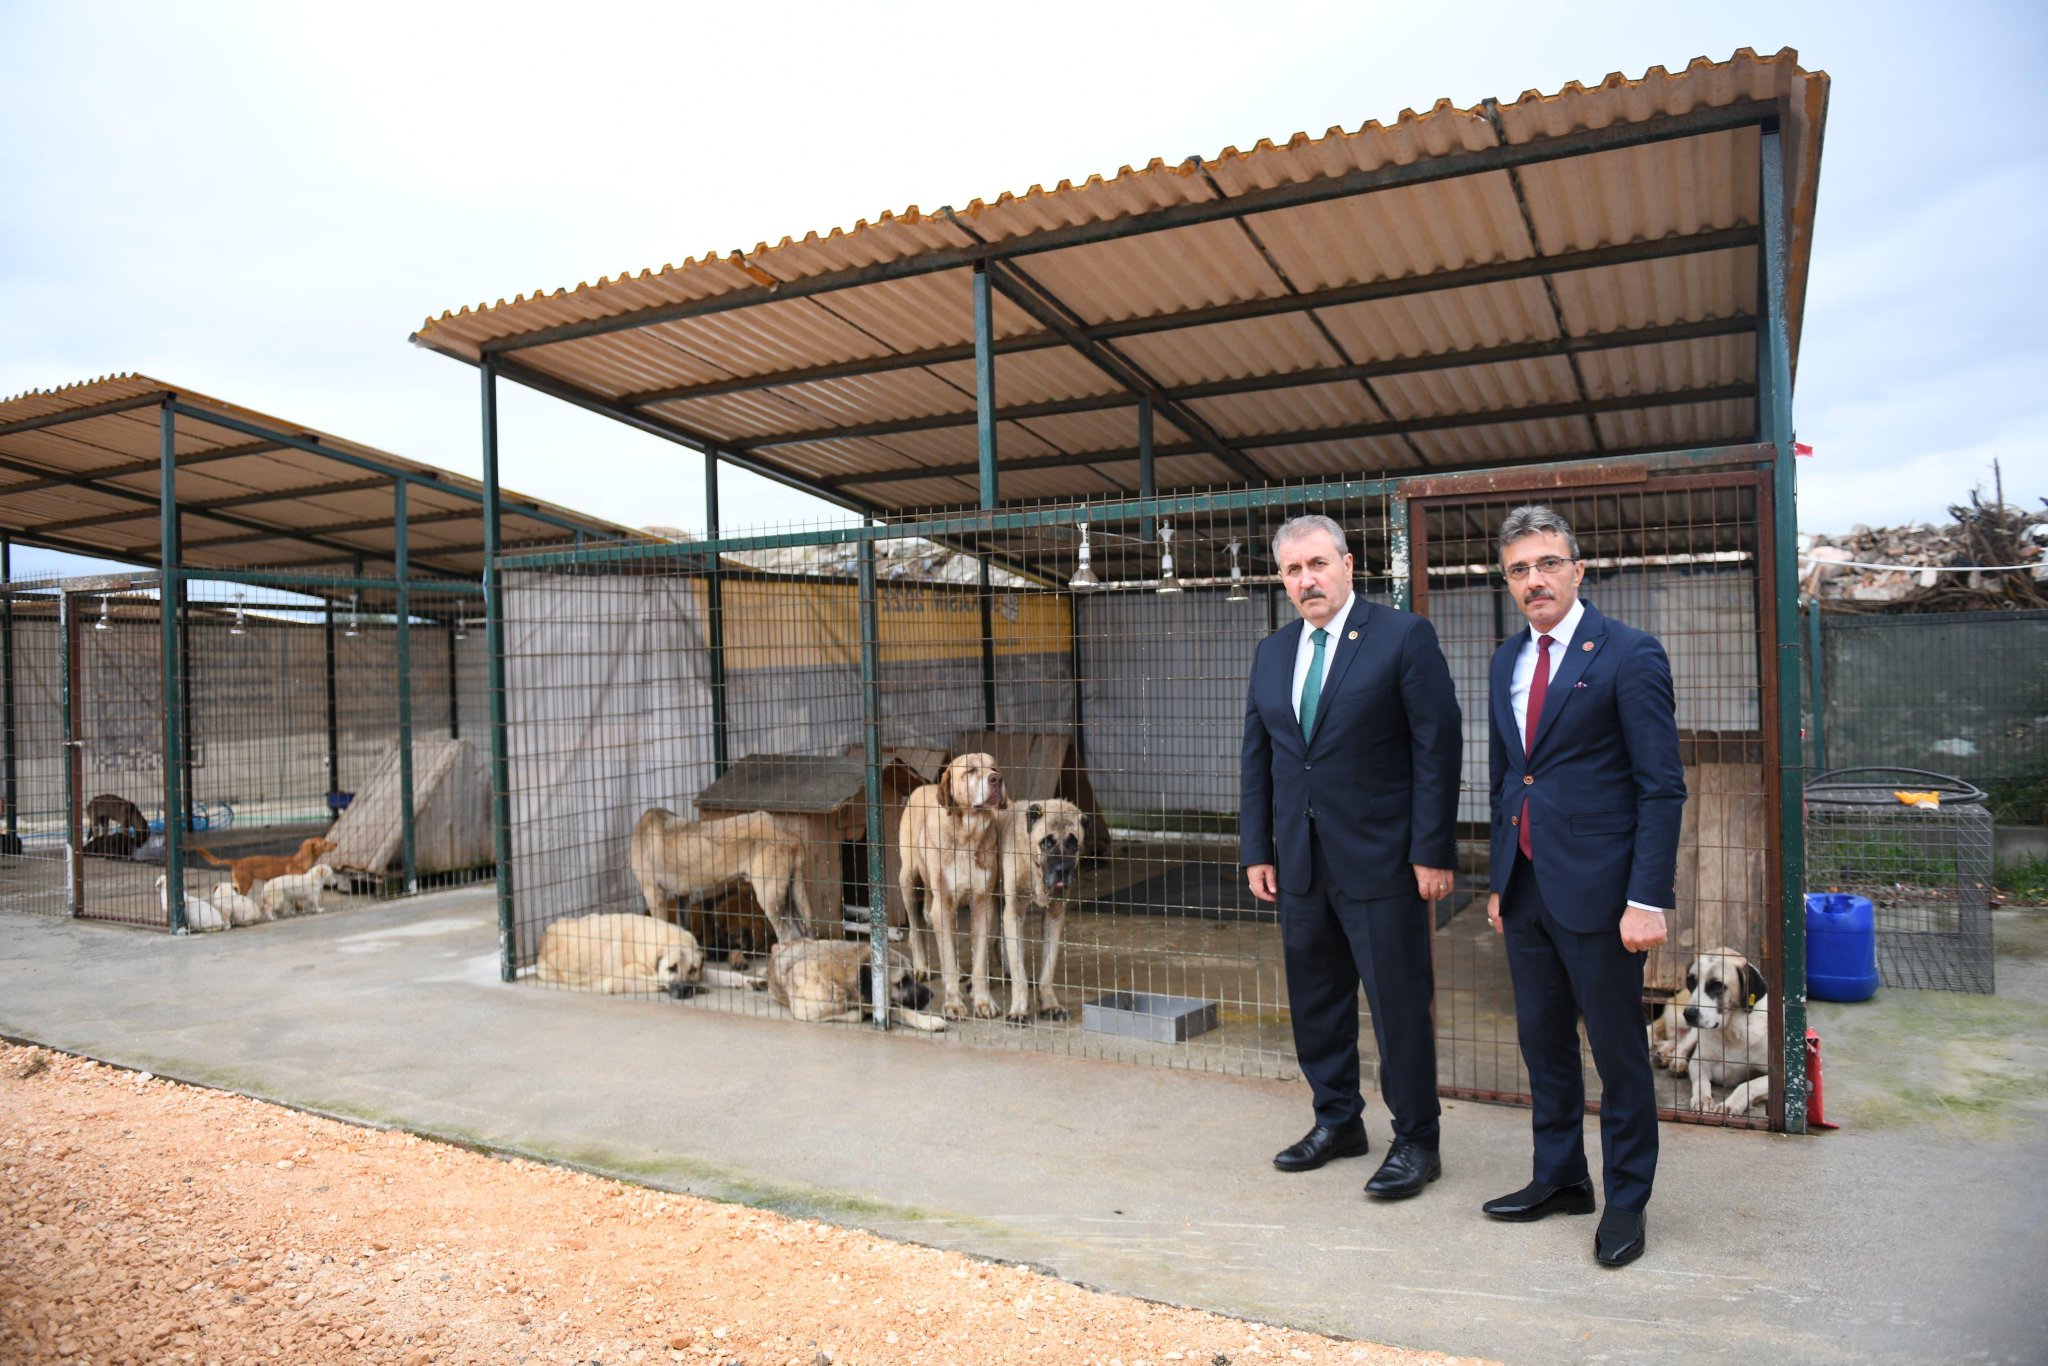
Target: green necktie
(1312, 686)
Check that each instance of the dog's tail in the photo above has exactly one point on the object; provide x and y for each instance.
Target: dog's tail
(216, 862)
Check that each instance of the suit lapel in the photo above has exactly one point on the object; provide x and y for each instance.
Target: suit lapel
(1340, 665)
(1587, 643)
(1501, 696)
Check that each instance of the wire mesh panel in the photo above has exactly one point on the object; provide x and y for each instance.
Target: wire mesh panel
(34, 854)
(1679, 560)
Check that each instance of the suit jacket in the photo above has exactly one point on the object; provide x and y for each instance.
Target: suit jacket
(1379, 777)
(1604, 783)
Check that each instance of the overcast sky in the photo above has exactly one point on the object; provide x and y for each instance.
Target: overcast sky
(262, 201)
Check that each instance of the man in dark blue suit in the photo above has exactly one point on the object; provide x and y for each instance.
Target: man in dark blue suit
(1587, 793)
(1347, 816)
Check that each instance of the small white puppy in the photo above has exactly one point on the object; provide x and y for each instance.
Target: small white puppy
(294, 892)
(200, 915)
(1727, 1039)
(235, 908)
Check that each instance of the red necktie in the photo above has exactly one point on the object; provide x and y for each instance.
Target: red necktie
(1539, 687)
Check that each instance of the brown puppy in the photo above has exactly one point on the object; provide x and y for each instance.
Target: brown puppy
(257, 868)
(833, 979)
(620, 951)
(107, 813)
(671, 856)
(1042, 847)
(948, 841)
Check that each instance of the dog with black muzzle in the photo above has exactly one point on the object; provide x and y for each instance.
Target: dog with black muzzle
(619, 952)
(834, 980)
(1727, 1038)
(947, 839)
(1042, 846)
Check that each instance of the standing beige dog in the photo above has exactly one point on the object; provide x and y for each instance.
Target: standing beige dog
(618, 952)
(675, 857)
(1041, 858)
(948, 841)
(833, 979)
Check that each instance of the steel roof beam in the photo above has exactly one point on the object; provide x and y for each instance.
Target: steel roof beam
(209, 505)
(1741, 325)
(144, 467)
(1357, 431)
(153, 399)
(331, 528)
(1743, 114)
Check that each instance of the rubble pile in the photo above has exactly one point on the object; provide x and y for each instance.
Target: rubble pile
(1939, 566)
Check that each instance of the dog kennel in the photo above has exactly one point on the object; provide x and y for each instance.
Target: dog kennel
(321, 674)
(1590, 299)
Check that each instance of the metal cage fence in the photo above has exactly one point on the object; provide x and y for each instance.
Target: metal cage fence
(291, 703)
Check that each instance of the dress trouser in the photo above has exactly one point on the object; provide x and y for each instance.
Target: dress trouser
(1333, 943)
(1559, 975)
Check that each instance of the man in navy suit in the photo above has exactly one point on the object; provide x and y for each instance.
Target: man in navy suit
(1347, 816)
(1587, 793)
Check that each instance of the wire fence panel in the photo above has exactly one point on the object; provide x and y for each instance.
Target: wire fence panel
(35, 855)
(1681, 562)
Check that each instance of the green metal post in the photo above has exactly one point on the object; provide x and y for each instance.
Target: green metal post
(12, 793)
(494, 643)
(871, 753)
(333, 709)
(454, 681)
(714, 609)
(1147, 483)
(170, 594)
(988, 648)
(985, 383)
(408, 822)
(1816, 692)
(67, 674)
(1397, 552)
(1774, 394)
(185, 690)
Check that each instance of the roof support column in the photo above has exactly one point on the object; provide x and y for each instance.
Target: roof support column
(871, 758)
(494, 651)
(714, 609)
(1148, 483)
(455, 679)
(408, 816)
(1774, 411)
(333, 713)
(10, 787)
(185, 683)
(170, 597)
(985, 382)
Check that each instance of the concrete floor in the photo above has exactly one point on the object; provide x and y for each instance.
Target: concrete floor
(1915, 1233)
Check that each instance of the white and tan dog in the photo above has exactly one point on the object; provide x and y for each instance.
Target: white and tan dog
(234, 907)
(1727, 1038)
(834, 979)
(294, 893)
(947, 839)
(1041, 846)
(200, 915)
(674, 857)
(620, 951)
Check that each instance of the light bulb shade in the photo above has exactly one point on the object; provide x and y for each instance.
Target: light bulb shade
(1168, 582)
(1084, 577)
(1237, 592)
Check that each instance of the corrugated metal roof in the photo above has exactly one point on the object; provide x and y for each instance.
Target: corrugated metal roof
(80, 470)
(1603, 212)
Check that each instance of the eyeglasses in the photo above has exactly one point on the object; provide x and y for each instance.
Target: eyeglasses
(1548, 565)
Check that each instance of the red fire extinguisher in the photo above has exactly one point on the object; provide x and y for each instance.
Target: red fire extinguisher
(1814, 1118)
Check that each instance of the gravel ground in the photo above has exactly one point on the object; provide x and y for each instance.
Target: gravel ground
(146, 1221)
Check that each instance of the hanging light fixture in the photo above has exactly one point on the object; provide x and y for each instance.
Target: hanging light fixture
(1084, 578)
(103, 623)
(462, 628)
(1168, 583)
(1237, 591)
(353, 620)
(240, 625)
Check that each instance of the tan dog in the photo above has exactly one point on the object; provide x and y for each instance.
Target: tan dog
(620, 951)
(256, 868)
(948, 842)
(1041, 847)
(675, 857)
(294, 893)
(1727, 1038)
(833, 979)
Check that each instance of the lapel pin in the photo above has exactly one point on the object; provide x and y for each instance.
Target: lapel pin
(1352, 636)
(1587, 647)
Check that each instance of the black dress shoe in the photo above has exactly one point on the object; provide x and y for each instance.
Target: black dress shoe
(1620, 1237)
(1408, 1168)
(1539, 1198)
(1321, 1144)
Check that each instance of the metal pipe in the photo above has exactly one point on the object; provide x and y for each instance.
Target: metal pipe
(408, 816)
(1819, 693)
(333, 713)
(1147, 485)
(1774, 387)
(8, 715)
(985, 383)
(185, 690)
(74, 776)
(988, 647)
(871, 758)
(169, 595)
(494, 644)
(714, 611)
(1400, 586)
(454, 682)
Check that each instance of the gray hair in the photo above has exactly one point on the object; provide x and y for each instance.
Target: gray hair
(1534, 519)
(1294, 528)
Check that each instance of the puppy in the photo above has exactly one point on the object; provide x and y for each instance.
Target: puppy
(833, 979)
(1041, 847)
(618, 952)
(257, 868)
(947, 837)
(236, 909)
(1727, 1039)
(292, 893)
(108, 813)
(200, 915)
(674, 857)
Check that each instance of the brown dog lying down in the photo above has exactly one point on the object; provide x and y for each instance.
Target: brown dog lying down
(832, 979)
(618, 952)
(257, 868)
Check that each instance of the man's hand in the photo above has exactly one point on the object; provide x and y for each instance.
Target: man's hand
(1265, 886)
(1641, 929)
(1433, 884)
(1493, 910)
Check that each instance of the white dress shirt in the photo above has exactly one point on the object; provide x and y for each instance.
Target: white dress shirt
(1305, 652)
(1525, 674)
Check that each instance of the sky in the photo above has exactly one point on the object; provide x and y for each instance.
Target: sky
(262, 201)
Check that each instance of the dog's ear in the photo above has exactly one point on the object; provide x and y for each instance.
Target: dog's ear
(945, 786)
(1754, 987)
(867, 983)
(1035, 814)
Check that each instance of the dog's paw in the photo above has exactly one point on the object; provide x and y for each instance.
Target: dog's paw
(1019, 1015)
(1053, 1012)
(956, 1009)
(984, 1010)
(1677, 1066)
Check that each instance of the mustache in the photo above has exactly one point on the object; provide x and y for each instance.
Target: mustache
(1538, 595)
(1308, 593)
